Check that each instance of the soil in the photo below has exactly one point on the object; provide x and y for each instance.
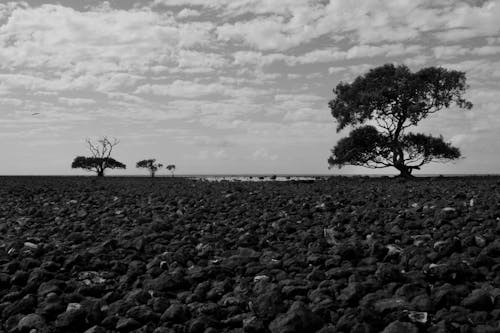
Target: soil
(80, 254)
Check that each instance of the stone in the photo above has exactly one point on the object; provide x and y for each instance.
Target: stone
(387, 305)
(448, 213)
(31, 321)
(96, 329)
(142, 313)
(268, 303)
(74, 316)
(352, 293)
(480, 241)
(418, 317)
(297, 319)
(176, 313)
(127, 324)
(388, 273)
(253, 325)
(400, 327)
(478, 300)
(486, 329)
(25, 305)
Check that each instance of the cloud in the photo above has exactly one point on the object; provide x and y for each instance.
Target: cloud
(76, 101)
(192, 89)
(181, 88)
(333, 54)
(203, 61)
(454, 51)
(263, 154)
(186, 12)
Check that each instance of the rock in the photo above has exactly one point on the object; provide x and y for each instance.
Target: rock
(493, 249)
(422, 303)
(480, 241)
(361, 328)
(24, 306)
(176, 313)
(388, 273)
(127, 324)
(95, 329)
(74, 316)
(410, 290)
(478, 300)
(167, 282)
(19, 278)
(142, 313)
(328, 329)
(418, 317)
(352, 293)
(164, 330)
(297, 319)
(400, 327)
(330, 236)
(253, 325)
(388, 305)
(448, 213)
(446, 296)
(486, 329)
(199, 325)
(269, 303)
(31, 321)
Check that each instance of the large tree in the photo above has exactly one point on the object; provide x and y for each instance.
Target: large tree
(151, 165)
(392, 99)
(101, 157)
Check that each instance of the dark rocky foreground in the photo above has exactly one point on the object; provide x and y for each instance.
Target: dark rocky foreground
(172, 255)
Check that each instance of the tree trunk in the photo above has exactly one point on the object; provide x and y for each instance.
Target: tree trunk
(100, 173)
(404, 171)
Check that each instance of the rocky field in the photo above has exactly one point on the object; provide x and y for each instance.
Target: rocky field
(173, 255)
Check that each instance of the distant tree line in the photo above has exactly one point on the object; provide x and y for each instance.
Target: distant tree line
(381, 105)
(101, 159)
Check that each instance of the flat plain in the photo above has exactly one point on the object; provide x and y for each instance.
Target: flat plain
(177, 255)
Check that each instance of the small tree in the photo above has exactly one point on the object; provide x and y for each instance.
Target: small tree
(151, 165)
(101, 157)
(394, 98)
(171, 168)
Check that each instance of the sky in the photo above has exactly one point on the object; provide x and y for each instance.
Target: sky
(229, 86)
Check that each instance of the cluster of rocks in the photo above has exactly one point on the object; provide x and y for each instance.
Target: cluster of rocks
(173, 255)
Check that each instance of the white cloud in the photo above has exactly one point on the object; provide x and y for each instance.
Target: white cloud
(186, 12)
(202, 60)
(181, 88)
(263, 154)
(454, 51)
(76, 101)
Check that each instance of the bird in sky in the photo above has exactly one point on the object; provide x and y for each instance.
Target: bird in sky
(34, 114)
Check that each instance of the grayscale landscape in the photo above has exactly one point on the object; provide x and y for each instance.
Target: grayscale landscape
(249, 166)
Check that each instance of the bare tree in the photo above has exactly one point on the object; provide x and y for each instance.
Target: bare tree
(101, 157)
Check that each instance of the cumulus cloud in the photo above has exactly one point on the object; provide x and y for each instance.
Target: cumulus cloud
(76, 101)
(186, 12)
(263, 154)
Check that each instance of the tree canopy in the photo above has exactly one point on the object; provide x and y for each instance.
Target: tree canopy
(393, 99)
(96, 164)
(101, 157)
(171, 168)
(151, 165)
